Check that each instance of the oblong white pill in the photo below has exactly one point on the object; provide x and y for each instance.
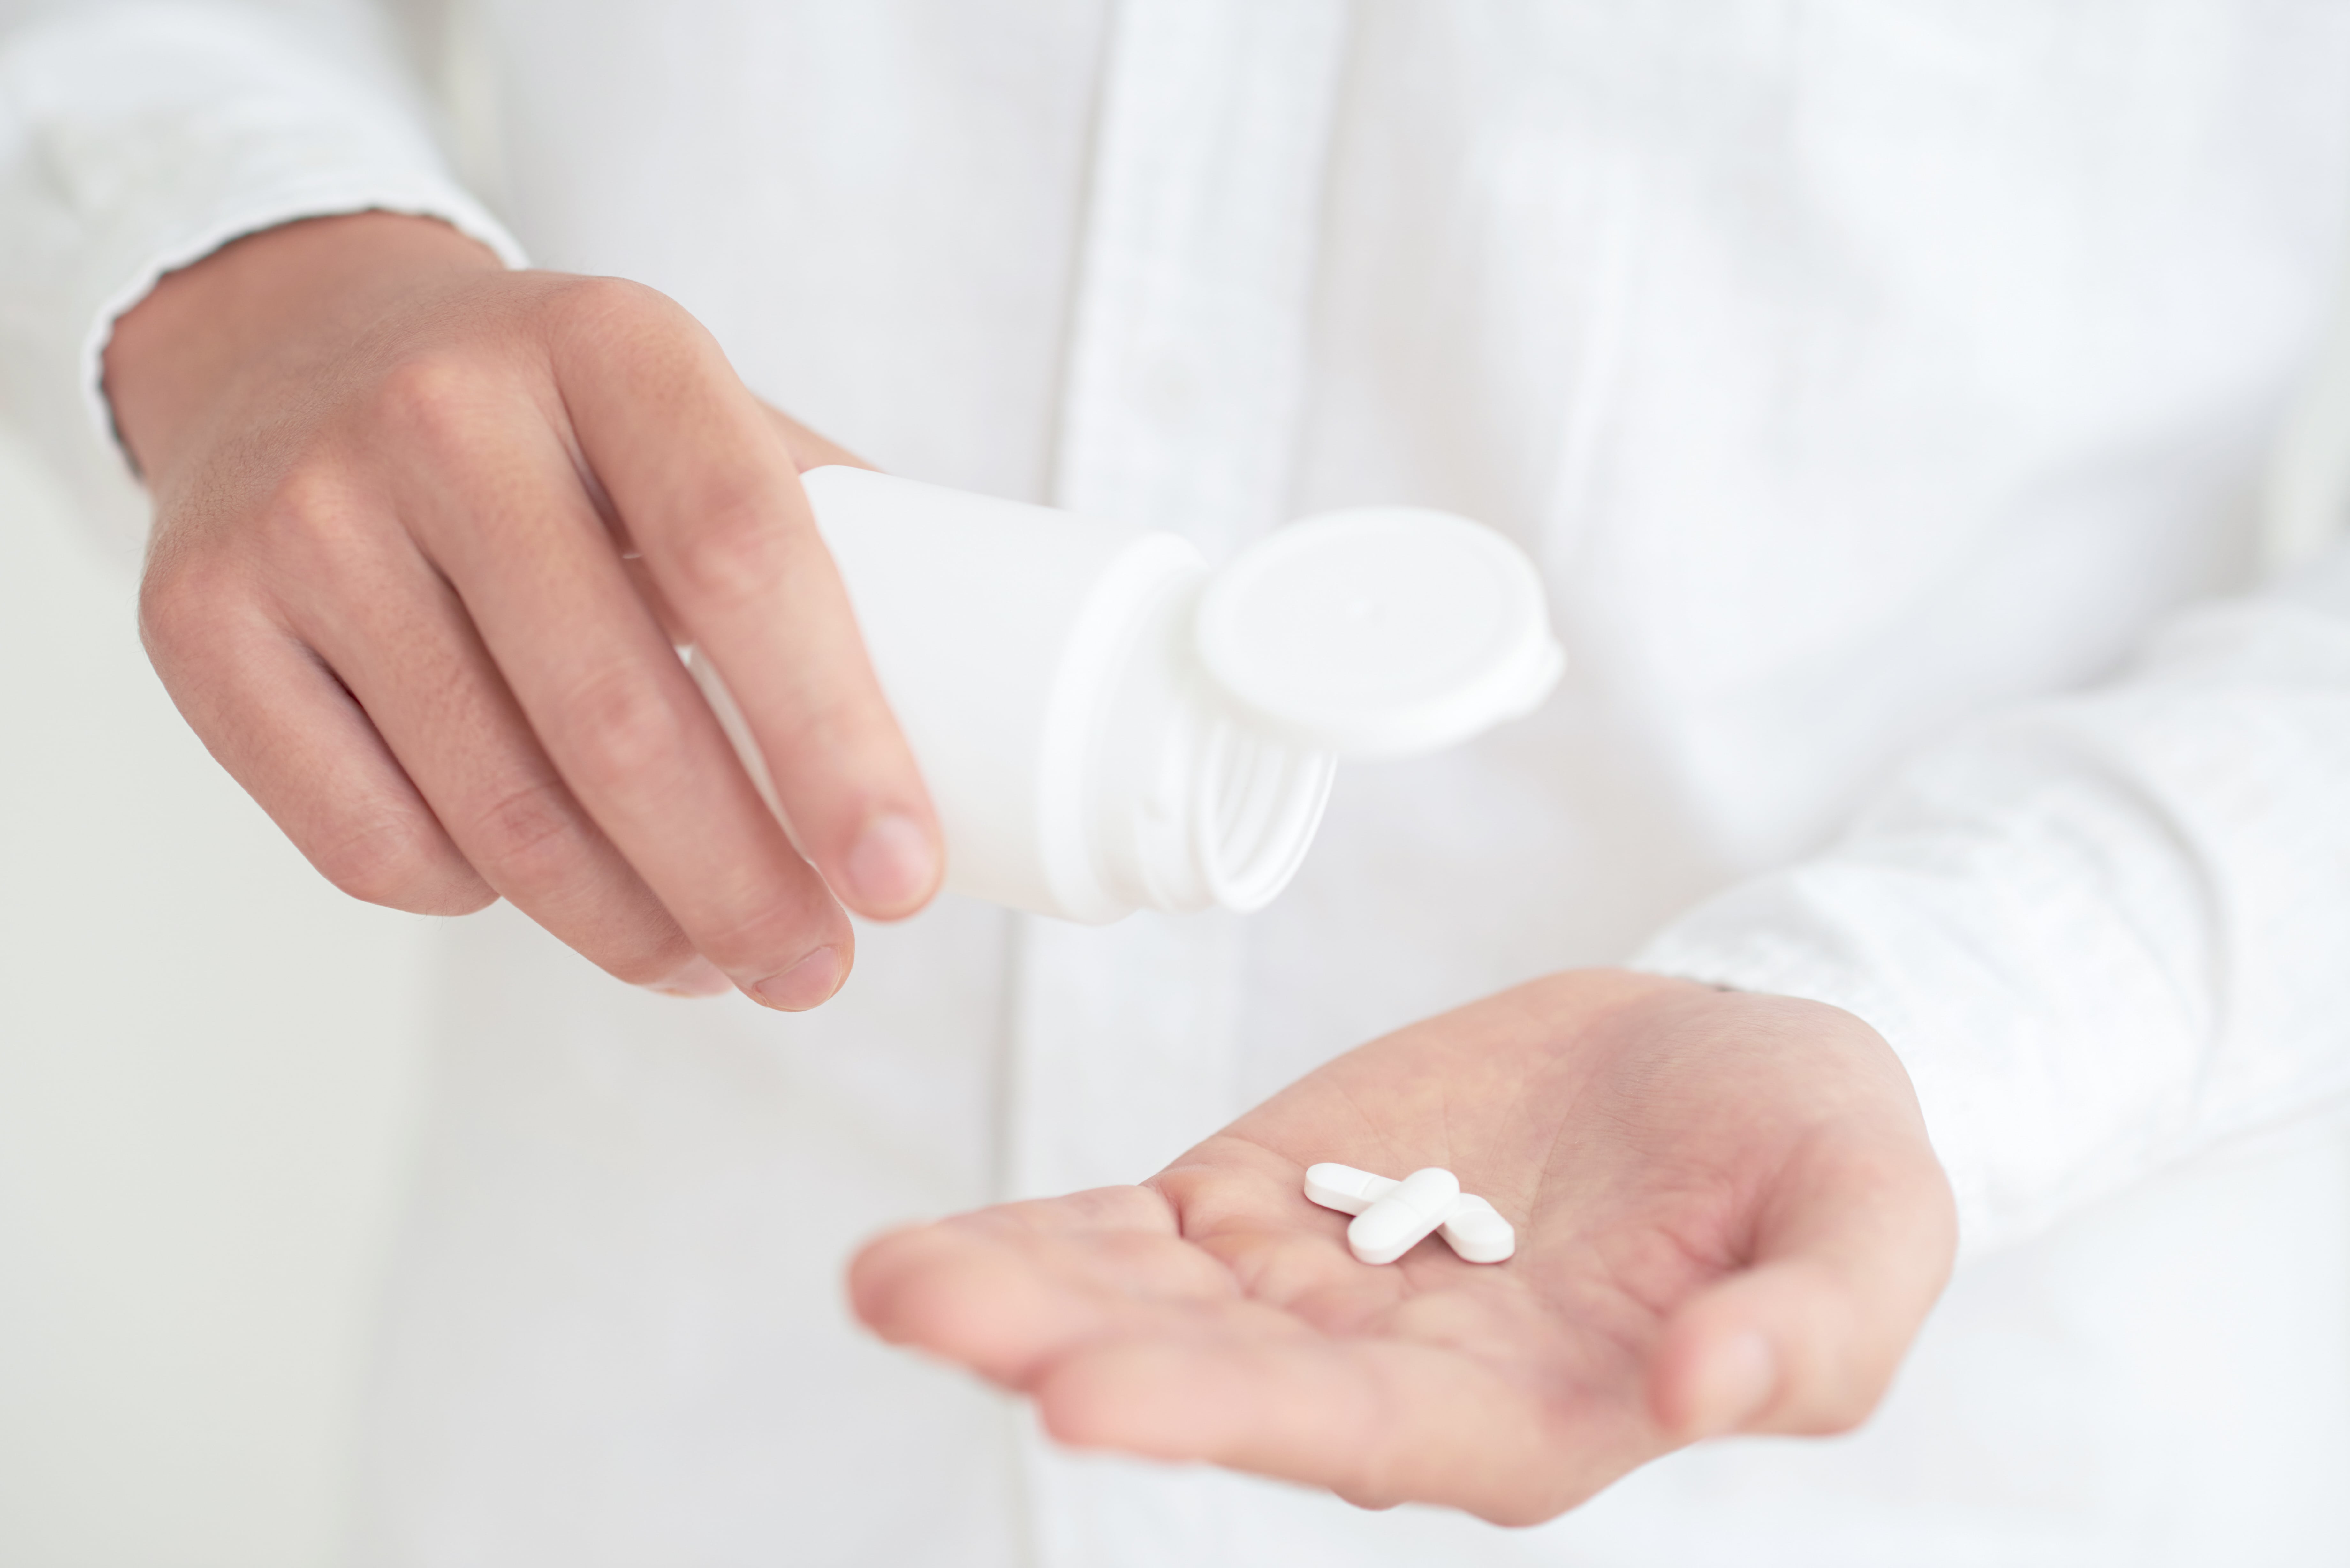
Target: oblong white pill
(1477, 1233)
(1345, 1188)
(1396, 1222)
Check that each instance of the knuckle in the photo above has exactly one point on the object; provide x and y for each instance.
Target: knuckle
(739, 550)
(635, 333)
(613, 307)
(526, 836)
(181, 601)
(308, 513)
(435, 398)
(398, 864)
(625, 734)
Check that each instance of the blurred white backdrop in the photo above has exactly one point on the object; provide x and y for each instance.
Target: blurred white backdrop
(208, 1083)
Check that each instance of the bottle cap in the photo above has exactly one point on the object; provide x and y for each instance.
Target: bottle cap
(1379, 632)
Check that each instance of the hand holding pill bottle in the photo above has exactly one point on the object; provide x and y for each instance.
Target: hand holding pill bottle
(428, 532)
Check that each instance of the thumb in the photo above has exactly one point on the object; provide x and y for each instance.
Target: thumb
(1851, 1252)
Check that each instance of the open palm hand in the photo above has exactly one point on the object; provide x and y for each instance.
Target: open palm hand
(1729, 1219)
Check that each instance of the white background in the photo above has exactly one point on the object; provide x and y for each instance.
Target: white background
(208, 1080)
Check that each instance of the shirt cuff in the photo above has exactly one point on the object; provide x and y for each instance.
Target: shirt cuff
(138, 139)
(2103, 932)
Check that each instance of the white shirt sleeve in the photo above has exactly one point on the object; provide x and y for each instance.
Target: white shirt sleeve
(2102, 931)
(138, 138)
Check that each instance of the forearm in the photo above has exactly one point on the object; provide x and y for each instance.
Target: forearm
(2102, 932)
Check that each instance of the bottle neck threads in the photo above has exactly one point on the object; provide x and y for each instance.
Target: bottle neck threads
(1192, 808)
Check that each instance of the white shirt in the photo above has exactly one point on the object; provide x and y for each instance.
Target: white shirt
(1872, 381)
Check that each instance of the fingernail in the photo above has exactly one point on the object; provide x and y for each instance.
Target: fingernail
(1740, 1381)
(698, 978)
(802, 986)
(892, 863)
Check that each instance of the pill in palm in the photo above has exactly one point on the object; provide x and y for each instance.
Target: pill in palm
(1477, 1232)
(1345, 1188)
(1473, 1228)
(1395, 1223)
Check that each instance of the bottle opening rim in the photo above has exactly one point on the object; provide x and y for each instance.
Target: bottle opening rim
(1260, 801)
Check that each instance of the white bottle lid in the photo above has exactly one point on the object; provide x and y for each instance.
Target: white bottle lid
(1379, 632)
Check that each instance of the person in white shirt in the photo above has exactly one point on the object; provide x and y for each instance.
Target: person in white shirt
(1871, 381)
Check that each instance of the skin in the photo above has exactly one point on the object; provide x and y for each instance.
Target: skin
(1728, 1221)
(426, 532)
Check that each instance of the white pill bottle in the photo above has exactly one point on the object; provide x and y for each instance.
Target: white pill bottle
(1106, 724)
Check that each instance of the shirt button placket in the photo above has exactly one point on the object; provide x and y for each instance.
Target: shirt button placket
(1185, 368)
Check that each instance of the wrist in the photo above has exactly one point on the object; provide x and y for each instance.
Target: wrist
(274, 296)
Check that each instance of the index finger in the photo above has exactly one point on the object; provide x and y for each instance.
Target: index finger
(704, 480)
